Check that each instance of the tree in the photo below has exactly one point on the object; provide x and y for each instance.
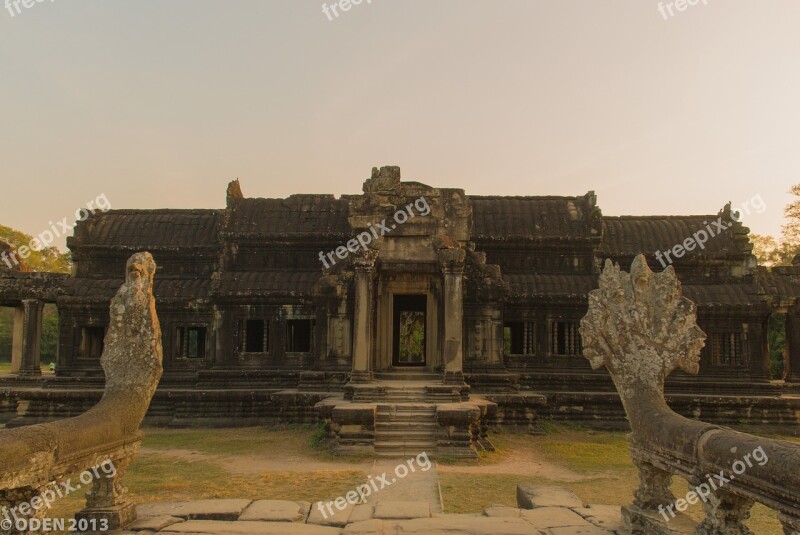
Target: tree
(49, 259)
(771, 252)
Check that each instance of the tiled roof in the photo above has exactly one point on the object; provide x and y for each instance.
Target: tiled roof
(630, 235)
(149, 228)
(322, 215)
(529, 218)
(551, 285)
(266, 283)
(162, 288)
(728, 295)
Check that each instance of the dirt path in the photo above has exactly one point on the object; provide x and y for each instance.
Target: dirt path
(520, 462)
(257, 464)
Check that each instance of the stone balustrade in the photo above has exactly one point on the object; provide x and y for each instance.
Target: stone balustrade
(641, 328)
(104, 440)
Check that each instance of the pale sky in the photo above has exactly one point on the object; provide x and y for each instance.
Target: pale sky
(159, 103)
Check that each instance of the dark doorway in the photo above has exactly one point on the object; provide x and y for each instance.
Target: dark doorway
(410, 314)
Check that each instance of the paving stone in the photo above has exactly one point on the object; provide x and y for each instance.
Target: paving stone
(533, 496)
(338, 518)
(196, 510)
(217, 527)
(388, 510)
(502, 511)
(582, 530)
(466, 525)
(276, 511)
(361, 513)
(604, 516)
(553, 517)
(153, 523)
(372, 527)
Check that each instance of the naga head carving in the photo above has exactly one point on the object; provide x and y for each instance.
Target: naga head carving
(640, 326)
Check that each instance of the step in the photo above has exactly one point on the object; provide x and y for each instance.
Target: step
(405, 436)
(404, 425)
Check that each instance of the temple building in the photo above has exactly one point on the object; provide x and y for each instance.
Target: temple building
(270, 306)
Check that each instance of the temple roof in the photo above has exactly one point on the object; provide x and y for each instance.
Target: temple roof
(530, 218)
(630, 235)
(149, 229)
(320, 215)
(266, 283)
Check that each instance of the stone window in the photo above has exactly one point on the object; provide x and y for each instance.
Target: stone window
(727, 349)
(519, 338)
(191, 342)
(299, 334)
(254, 336)
(92, 342)
(565, 339)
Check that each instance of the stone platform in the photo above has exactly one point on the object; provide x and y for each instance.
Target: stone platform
(398, 418)
(267, 517)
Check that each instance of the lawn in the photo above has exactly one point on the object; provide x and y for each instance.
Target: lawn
(5, 368)
(601, 458)
(284, 463)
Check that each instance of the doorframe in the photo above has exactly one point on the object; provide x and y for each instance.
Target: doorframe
(396, 330)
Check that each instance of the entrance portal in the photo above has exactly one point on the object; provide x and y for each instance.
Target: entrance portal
(410, 315)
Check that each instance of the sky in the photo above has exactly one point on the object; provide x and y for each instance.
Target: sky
(160, 103)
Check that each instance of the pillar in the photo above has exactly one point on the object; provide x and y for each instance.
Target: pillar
(26, 350)
(362, 316)
(792, 362)
(452, 264)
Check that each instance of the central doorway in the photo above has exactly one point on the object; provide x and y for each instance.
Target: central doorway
(410, 320)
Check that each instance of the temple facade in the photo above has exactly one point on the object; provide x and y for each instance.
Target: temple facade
(267, 303)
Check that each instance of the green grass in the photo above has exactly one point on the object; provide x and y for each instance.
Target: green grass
(601, 457)
(5, 368)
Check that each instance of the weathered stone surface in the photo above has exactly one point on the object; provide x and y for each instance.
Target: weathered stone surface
(502, 511)
(217, 527)
(276, 511)
(108, 433)
(641, 328)
(456, 524)
(652, 522)
(604, 516)
(397, 510)
(553, 517)
(580, 530)
(196, 509)
(533, 496)
(339, 518)
(361, 513)
(371, 527)
(153, 523)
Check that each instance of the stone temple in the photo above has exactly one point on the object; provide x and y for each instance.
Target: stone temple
(464, 310)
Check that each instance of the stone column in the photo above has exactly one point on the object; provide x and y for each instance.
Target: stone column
(452, 264)
(792, 363)
(363, 319)
(26, 351)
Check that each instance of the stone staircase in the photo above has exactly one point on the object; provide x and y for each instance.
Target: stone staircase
(405, 429)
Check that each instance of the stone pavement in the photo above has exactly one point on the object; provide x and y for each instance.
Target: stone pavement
(562, 515)
(418, 486)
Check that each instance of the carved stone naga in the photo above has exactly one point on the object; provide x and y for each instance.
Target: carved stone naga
(107, 435)
(641, 328)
